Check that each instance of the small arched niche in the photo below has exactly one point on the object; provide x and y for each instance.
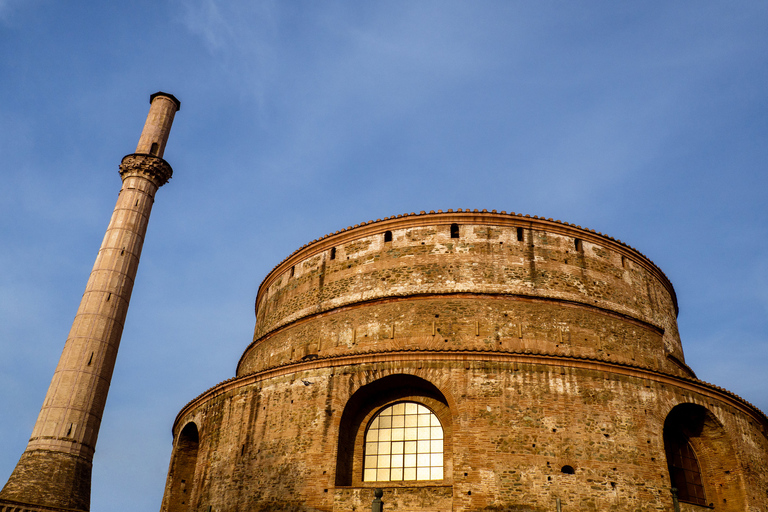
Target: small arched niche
(182, 471)
(702, 463)
(382, 397)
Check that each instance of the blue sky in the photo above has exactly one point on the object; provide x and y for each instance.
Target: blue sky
(646, 121)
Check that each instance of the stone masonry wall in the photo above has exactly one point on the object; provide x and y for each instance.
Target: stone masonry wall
(272, 444)
(527, 261)
(464, 323)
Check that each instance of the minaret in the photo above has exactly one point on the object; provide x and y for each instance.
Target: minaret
(54, 472)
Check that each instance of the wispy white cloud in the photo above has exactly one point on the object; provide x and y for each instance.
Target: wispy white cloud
(240, 35)
(205, 19)
(7, 8)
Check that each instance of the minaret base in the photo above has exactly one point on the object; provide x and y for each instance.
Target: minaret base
(46, 481)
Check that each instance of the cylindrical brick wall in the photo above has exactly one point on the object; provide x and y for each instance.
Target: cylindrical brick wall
(549, 353)
(589, 290)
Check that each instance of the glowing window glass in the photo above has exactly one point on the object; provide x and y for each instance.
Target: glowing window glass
(403, 442)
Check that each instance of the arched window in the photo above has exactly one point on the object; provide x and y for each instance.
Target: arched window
(703, 466)
(404, 441)
(397, 428)
(698, 452)
(684, 471)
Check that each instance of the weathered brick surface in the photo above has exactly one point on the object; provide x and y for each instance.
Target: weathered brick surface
(485, 259)
(535, 355)
(501, 324)
(63, 481)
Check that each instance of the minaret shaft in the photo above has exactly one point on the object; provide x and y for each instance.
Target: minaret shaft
(55, 469)
(71, 413)
(158, 126)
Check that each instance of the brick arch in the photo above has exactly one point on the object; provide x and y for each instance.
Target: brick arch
(721, 473)
(434, 377)
(370, 398)
(183, 466)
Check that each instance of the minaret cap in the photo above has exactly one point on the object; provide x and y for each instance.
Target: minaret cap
(170, 96)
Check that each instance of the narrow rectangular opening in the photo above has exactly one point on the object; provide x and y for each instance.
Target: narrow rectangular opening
(387, 236)
(454, 231)
(333, 253)
(578, 245)
(519, 234)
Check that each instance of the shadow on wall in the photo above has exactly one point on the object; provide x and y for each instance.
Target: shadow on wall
(185, 493)
(702, 462)
(183, 469)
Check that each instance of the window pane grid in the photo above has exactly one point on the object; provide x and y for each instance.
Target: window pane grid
(403, 442)
(685, 472)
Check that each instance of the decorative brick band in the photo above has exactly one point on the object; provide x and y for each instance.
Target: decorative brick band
(14, 506)
(481, 356)
(464, 295)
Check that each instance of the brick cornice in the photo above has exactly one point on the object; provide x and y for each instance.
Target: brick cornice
(423, 357)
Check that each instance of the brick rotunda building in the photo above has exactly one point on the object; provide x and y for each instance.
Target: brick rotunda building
(467, 361)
